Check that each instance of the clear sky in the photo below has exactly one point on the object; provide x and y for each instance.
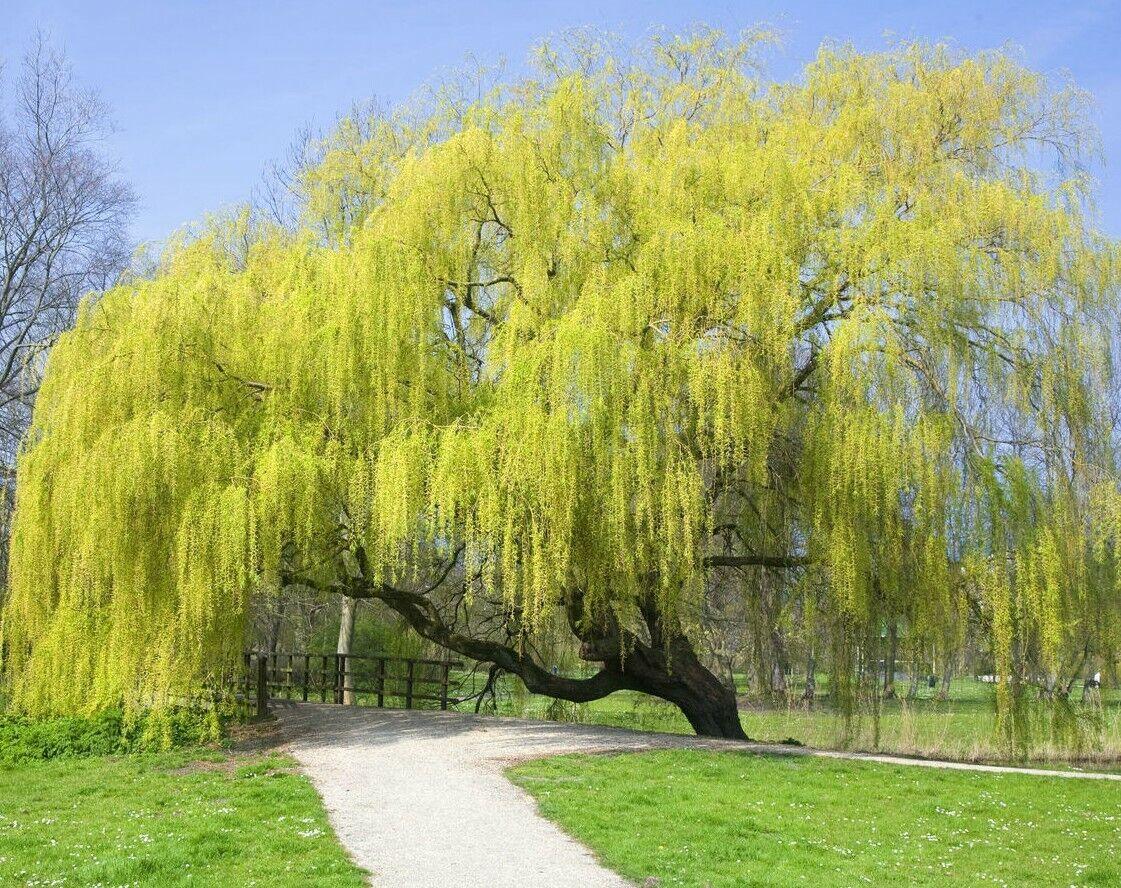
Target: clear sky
(206, 93)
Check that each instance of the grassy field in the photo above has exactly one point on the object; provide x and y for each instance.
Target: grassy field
(166, 820)
(727, 819)
(963, 727)
(205, 817)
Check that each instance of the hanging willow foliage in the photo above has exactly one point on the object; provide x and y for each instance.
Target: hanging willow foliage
(581, 327)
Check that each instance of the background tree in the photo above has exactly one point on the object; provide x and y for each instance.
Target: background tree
(64, 217)
(596, 345)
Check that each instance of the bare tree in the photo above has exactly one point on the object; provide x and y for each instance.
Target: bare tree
(64, 216)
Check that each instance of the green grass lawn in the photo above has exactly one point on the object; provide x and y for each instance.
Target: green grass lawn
(964, 727)
(730, 819)
(166, 820)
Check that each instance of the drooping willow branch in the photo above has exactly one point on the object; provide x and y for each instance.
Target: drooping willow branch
(821, 317)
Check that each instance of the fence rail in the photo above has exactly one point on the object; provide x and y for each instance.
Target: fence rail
(346, 678)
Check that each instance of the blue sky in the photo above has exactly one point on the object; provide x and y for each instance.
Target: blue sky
(206, 93)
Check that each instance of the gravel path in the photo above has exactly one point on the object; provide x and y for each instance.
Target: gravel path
(420, 800)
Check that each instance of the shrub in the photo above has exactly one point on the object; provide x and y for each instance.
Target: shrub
(111, 732)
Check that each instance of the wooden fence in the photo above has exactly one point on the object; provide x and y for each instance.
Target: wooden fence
(337, 678)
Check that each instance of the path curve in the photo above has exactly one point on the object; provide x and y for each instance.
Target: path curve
(419, 798)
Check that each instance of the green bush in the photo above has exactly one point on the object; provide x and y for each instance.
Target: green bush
(111, 732)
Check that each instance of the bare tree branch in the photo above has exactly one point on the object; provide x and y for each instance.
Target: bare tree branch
(64, 217)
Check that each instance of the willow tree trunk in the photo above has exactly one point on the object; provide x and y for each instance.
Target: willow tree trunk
(664, 664)
(346, 640)
(675, 674)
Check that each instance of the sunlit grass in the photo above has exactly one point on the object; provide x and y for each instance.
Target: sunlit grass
(963, 727)
(166, 820)
(712, 820)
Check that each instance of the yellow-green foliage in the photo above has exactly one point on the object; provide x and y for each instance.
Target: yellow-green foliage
(564, 323)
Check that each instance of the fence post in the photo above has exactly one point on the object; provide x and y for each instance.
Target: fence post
(409, 687)
(262, 686)
(444, 686)
(381, 682)
(307, 668)
(340, 677)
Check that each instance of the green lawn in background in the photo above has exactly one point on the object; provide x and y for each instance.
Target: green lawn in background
(166, 820)
(719, 819)
(963, 727)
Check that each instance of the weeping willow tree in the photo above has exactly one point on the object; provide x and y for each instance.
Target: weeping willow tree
(583, 346)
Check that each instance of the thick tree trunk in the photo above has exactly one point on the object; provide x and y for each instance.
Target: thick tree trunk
(664, 666)
(346, 640)
(667, 667)
(678, 676)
